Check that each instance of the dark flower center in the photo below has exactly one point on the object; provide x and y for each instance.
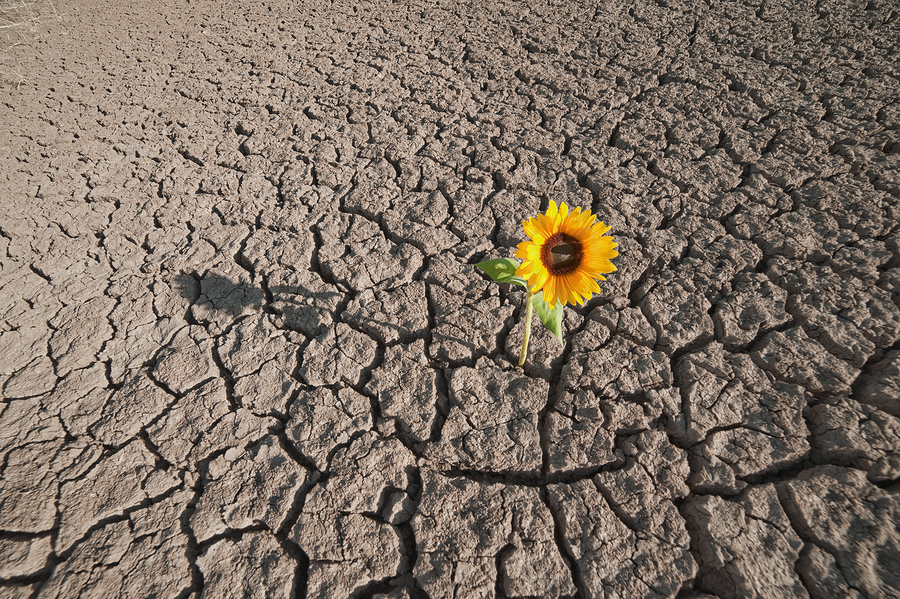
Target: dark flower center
(561, 254)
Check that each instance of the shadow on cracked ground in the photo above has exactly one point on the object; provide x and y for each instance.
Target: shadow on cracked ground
(244, 350)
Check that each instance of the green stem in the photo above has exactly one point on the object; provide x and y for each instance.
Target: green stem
(529, 310)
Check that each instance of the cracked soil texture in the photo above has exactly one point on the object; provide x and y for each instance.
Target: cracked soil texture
(244, 351)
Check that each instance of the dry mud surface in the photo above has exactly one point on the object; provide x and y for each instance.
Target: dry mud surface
(244, 351)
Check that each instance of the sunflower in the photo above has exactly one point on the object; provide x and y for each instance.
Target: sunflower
(566, 253)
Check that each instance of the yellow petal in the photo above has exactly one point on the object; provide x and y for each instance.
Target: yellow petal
(550, 291)
(589, 284)
(546, 225)
(577, 224)
(534, 230)
(560, 290)
(552, 210)
(562, 215)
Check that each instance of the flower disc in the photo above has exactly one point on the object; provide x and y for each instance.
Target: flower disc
(567, 252)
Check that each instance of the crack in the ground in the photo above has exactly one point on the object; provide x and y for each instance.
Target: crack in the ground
(553, 82)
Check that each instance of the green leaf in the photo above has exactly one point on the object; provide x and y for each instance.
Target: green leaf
(503, 270)
(552, 319)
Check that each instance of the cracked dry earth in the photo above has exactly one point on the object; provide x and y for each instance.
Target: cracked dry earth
(244, 351)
